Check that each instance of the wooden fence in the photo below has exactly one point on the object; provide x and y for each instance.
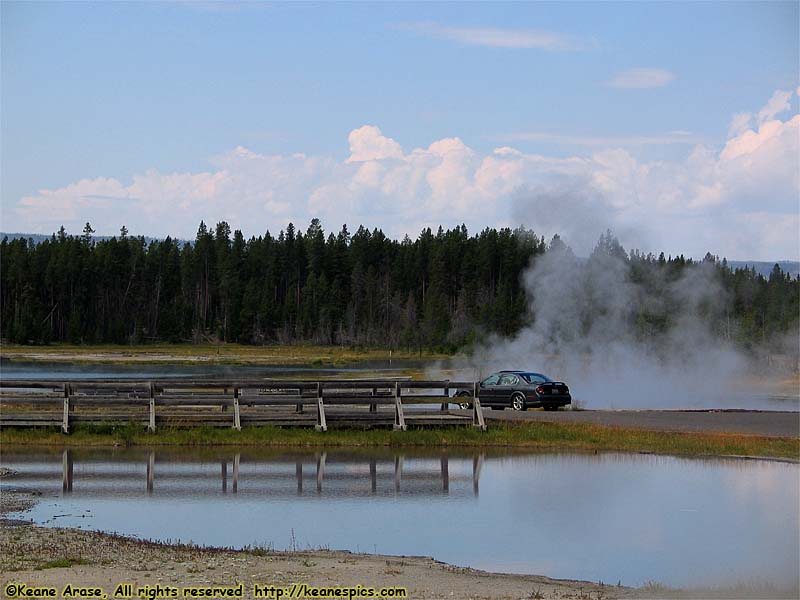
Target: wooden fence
(234, 403)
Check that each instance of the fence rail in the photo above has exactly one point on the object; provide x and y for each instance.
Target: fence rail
(232, 403)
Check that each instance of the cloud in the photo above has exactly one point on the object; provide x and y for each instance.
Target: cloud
(497, 38)
(778, 103)
(740, 123)
(738, 200)
(642, 78)
(672, 137)
(749, 141)
(368, 143)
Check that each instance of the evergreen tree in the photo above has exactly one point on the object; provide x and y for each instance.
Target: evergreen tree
(441, 290)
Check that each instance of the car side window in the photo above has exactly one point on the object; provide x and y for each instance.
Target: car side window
(507, 380)
(491, 380)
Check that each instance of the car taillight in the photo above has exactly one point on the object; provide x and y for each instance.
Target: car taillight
(540, 390)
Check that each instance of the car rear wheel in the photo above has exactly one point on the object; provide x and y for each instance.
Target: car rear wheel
(518, 402)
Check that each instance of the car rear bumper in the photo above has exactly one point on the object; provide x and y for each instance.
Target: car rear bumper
(545, 401)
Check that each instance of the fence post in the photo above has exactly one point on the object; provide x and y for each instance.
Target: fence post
(65, 418)
(399, 418)
(373, 407)
(152, 425)
(237, 422)
(477, 413)
(446, 395)
(322, 423)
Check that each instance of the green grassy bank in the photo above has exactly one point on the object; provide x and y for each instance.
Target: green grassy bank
(231, 354)
(529, 436)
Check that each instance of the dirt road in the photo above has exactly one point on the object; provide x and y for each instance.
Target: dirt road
(766, 423)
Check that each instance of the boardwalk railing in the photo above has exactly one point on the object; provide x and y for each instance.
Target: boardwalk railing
(232, 403)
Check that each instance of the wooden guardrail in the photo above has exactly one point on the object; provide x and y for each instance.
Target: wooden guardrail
(231, 403)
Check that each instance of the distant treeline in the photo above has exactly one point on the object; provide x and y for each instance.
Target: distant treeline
(443, 290)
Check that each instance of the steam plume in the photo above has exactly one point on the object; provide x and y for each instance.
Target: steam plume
(586, 325)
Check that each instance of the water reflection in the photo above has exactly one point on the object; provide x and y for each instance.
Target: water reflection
(611, 517)
(332, 473)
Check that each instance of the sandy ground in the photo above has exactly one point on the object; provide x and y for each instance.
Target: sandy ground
(112, 560)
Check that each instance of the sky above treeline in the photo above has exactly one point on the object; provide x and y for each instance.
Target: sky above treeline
(675, 125)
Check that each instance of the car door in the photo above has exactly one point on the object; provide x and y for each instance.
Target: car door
(488, 388)
(505, 387)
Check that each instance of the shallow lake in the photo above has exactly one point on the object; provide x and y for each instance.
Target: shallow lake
(607, 517)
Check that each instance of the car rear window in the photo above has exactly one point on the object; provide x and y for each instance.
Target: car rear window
(535, 378)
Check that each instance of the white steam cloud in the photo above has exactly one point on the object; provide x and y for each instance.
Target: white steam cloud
(584, 331)
(620, 336)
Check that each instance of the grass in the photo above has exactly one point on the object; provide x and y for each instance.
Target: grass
(534, 436)
(61, 563)
(232, 354)
(259, 549)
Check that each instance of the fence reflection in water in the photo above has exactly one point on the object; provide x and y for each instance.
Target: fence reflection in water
(345, 473)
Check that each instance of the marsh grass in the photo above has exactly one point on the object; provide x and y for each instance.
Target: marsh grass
(232, 354)
(577, 437)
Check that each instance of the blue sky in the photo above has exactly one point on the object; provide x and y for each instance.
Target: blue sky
(162, 114)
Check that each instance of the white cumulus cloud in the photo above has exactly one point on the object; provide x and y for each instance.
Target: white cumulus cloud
(739, 199)
(777, 104)
(368, 143)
